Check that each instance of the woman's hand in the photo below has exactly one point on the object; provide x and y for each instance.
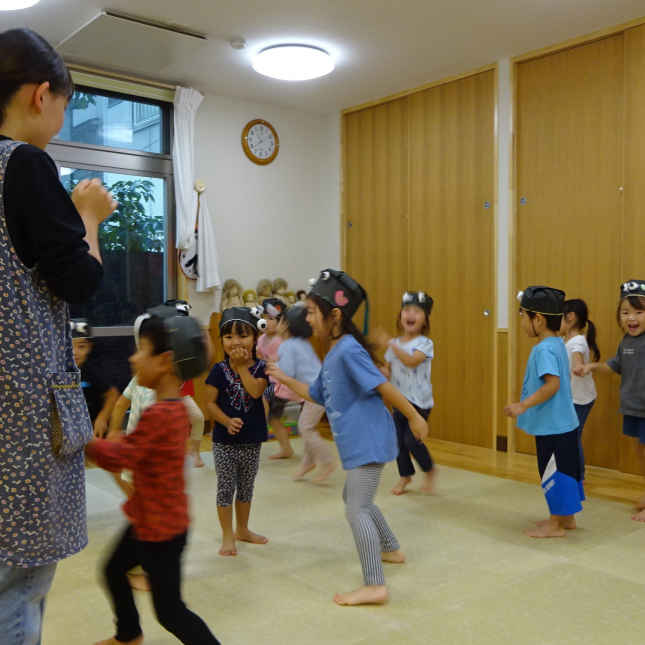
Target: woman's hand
(273, 370)
(419, 427)
(514, 410)
(93, 201)
(235, 425)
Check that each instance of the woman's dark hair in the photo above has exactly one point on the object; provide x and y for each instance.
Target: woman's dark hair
(638, 302)
(25, 58)
(579, 308)
(153, 330)
(426, 325)
(553, 322)
(346, 325)
(238, 327)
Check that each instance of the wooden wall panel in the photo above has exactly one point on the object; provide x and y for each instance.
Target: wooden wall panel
(502, 398)
(375, 198)
(569, 116)
(633, 243)
(452, 160)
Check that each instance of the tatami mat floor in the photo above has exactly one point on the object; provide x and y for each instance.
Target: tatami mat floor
(472, 576)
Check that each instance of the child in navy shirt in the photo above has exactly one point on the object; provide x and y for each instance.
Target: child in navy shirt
(353, 392)
(234, 390)
(546, 411)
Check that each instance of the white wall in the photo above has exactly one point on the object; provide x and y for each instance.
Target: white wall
(280, 220)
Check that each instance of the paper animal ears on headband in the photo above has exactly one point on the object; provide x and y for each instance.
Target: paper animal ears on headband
(418, 299)
(80, 327)
(340, 290)
(252, 317)
(632, 288)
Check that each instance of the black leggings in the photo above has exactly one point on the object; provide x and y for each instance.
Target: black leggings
(162, 562)
(410, 445)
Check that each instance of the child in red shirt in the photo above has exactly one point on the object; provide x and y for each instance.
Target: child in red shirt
(158, 510)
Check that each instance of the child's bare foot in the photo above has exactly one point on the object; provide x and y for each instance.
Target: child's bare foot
(639, 517)
(301, 472)
(197, 459)
(548, 529)
(228, 546)
(397, 557)
(244, 535)
(399, 489)
(282, 454)
(640, 506)
(114, 641)
(139, 581)
(429, 481)
(372, 595)
(324, 472)
(569, 523)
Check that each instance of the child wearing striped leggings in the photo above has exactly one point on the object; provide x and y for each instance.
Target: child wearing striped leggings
(354, 394)
(234, 390)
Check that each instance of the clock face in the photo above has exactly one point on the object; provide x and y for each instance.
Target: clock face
(260, 142)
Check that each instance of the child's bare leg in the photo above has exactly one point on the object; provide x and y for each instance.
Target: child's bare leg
(429, 481)
(281, 434)
(195, 453)
(640, 453)
(553, 527)
(568, 522)
(401, 485)
(242, 532)
(372, 595)
(225, 516)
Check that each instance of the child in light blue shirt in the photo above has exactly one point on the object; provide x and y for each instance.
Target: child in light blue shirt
(354, 394)
(546, 411)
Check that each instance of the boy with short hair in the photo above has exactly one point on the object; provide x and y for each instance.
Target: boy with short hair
(170, 351)
(546, 411)
(100, 394)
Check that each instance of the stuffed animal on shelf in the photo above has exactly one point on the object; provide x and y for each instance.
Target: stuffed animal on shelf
(301, 296)
(280, 287)
(291, 298)
(250, 298)
(265, 290)
(231, 294)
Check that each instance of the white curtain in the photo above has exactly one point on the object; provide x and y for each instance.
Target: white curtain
(186, 102)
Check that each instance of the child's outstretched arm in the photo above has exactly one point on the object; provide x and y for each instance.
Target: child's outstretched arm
(542, 394)
(395, 399)
(297, 387)
(109, 401)
(118, 412)
(216, 413)
(602, 368)
(409, 360)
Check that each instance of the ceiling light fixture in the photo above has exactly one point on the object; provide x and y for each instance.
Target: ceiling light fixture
(12, 5)
(293, 62)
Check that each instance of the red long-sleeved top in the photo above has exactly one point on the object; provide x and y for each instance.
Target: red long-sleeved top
(155, 453)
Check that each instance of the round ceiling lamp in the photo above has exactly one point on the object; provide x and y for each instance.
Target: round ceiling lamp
(293, 62)
(12, 5)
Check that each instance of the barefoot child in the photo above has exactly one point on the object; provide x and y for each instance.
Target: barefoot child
(234, 390)
(268, 345)
(629, 362)
(297, 359)
(546, 411)
(169, 351)
(574, 320)
(408, 361)
(353, 392)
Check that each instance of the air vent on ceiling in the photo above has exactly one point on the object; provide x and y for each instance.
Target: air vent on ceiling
(132, 43)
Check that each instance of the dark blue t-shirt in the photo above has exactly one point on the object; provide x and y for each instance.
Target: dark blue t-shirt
(235, 402)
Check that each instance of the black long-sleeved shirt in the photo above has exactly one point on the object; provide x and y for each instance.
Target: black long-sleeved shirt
(45, 228)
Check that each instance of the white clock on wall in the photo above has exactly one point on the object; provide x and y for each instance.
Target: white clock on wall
(260, 142)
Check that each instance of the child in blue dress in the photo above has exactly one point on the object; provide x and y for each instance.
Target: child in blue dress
(546, 411)
(354, 394)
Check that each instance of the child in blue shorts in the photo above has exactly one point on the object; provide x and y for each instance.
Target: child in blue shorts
(546, 411)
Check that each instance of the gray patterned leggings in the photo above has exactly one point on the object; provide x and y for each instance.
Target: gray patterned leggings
(236, 467)
(371, 532)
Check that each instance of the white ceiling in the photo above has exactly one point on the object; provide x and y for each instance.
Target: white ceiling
(380, 46)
